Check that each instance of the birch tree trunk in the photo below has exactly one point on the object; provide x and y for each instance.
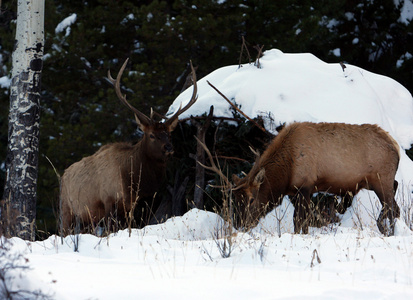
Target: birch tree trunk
(18, 211)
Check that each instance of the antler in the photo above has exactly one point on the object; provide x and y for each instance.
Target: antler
(190, 103)
(213, 166)
(256, 153)
(142, 117)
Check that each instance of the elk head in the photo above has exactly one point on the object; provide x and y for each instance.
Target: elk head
(245, 192)
(247, 201)
(156, 142)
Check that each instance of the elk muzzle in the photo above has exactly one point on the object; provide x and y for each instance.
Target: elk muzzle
(168, 149)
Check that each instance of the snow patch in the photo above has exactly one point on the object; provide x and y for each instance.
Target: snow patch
(65, 24)
(181, 257)
(5, 82)
(406, 14)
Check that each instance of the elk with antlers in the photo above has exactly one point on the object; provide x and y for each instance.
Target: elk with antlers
(305, 158)
(111, 181)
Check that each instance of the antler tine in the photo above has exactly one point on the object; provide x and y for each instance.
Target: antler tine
(213, 166)
(191, 102)
(256, 153)
(116, 83)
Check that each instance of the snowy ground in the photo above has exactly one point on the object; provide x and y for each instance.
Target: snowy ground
(181, 259)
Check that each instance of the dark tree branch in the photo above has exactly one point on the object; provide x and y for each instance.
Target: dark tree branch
(244, 46)
(237, 109)
(200, 159)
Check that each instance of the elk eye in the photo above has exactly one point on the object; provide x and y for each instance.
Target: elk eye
(152, 136)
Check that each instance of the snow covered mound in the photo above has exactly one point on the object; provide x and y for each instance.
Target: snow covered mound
(301, 87)
(194, 225)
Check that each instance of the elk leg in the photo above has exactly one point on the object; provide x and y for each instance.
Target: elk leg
(301, 202)
(389, 210)
(391, 213)
(345, 203)
(66, 219)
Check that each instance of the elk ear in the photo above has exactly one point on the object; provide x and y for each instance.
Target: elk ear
(141, 124)
(259, 178)
(173, 125)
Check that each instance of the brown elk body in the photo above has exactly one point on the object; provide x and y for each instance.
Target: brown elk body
(306, 158)
(111, 182)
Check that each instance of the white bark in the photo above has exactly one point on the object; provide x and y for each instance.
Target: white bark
(24, 117)
(29, 34)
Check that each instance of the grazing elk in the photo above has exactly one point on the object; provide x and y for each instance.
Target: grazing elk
(118, 175)
(306, 158)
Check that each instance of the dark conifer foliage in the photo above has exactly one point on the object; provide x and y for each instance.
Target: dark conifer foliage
(80, 111)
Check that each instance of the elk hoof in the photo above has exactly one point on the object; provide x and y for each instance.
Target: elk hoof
(385, 225)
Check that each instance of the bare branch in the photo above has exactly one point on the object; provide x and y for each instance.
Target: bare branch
(244, 46)
(259, 54)
(237, 109)
(213, 166)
